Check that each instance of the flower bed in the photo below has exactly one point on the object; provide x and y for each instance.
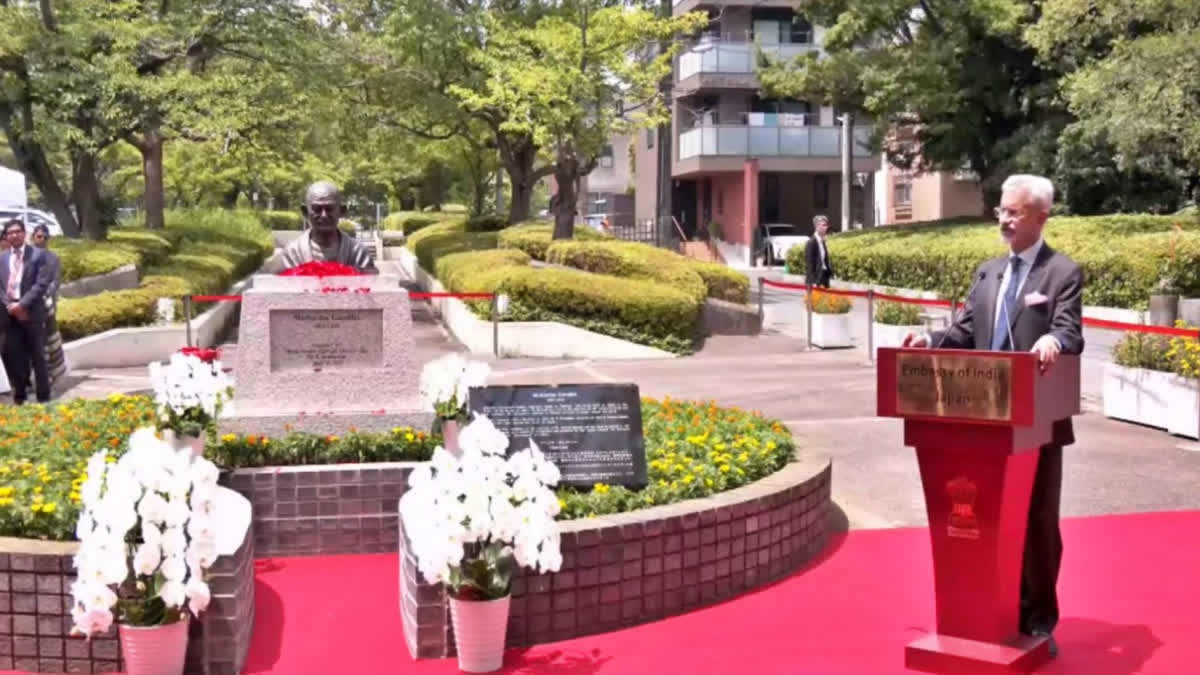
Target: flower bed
(1153, 380)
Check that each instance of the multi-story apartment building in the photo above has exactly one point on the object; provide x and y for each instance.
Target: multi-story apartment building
(608, 189)
(739, 158)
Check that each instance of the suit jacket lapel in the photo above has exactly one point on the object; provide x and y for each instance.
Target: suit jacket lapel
(1032, 280)
(988, 288)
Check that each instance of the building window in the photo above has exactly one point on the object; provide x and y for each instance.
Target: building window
(902, 193)
(605, 160)
(650, 139)
(821, 192)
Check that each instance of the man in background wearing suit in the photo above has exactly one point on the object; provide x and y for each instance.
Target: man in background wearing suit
(26, 273)
(1028, 300)
(818, 269)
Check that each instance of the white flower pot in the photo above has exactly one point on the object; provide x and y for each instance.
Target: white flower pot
(154, 650)
(194, 443)
(890, 335)
(1153, 398)
(1183, 412)
(479, 632)
(831, 330)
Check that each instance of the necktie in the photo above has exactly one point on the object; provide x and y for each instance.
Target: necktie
(1000, 340)
(14, 275)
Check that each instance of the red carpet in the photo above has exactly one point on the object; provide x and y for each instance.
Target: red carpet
(1124, 590)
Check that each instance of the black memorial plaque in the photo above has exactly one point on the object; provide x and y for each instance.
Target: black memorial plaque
(592, 432)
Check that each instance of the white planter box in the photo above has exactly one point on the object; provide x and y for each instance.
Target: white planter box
(831, 330)
(890, 335)
(1153, 398)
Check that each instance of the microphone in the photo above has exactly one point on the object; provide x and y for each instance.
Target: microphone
(954, 317)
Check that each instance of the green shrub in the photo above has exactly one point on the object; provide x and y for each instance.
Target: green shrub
(534, 237)
(80, 259)
(486, 223)
(897, 313)
(444, 238)
(640, 311)
(1141, 350)
(416, 223)
(402, 444)
(81, 317)
(629, 260)
(723, 283)
(281, 220)
(239, 228)
(942, 256)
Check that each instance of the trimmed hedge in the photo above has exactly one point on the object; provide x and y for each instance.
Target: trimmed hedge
(281, 220)
(1123, 256)
(534, 238)
(211, 251)
(445, 238)
(486, 223)
(635, 260)
(640, 311)
(125, 246)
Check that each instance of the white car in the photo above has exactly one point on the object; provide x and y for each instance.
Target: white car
(777, 240)
(32, 218)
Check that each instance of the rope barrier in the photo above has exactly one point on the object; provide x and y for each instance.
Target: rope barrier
(216, 298)
(416, 296)
(1141, 328)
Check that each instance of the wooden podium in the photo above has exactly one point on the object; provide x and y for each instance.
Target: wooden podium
(976, 419)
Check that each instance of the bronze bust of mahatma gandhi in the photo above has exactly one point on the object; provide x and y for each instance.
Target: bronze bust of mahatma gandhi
(322, 240)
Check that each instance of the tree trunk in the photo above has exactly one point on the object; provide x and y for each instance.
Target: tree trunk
(520, 196)
(151, 147)
(86, 192)
(566, 175)
(31, 158)
(518, 153)
(229, 199)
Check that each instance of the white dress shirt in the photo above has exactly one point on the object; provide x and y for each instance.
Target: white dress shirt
(14, 278)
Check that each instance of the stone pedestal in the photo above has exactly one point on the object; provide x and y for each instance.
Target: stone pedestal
(325, 356)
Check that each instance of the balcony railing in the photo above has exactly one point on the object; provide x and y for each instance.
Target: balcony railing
(734, 57)
(738, 140)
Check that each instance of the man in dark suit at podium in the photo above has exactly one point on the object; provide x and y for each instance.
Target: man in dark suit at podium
(1028, 300)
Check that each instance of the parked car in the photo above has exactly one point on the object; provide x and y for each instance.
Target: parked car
(32, 218)
(777, 239)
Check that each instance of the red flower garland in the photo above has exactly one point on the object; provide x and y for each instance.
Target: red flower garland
(205, 355)
(321, 269)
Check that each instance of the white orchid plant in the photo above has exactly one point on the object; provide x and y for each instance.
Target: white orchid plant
(190, 390)
(471, 518)
(446, 384)
(147, 536)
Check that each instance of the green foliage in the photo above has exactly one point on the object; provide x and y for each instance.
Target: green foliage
(534, 237)
(1139, 350)
(486, 223)
(281, 220)
(402, 444)
(693, 450)
(415, 223)
(630, 261)
(435, 241)
(897, 313)
(943, 256)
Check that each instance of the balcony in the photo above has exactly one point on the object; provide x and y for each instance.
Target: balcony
(742, 140)
(734, 57)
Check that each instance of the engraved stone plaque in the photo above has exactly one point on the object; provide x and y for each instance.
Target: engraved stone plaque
(326, 339)
(941, 385)
(591, 432)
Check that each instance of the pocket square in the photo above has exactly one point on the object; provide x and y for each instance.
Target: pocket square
(1034, 298)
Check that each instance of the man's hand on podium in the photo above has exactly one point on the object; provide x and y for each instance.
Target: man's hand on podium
(1047, 349)
(914, 341)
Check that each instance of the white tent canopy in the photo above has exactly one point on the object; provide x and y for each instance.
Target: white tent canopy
(12, 188)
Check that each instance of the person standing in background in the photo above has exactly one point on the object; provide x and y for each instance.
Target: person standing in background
(818, 268)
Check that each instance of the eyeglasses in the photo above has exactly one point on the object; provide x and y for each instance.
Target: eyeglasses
(1012, 213)
(322, 209)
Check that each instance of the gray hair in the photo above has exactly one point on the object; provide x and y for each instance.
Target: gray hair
(1039, 188)
(322, 189)
(817, 220)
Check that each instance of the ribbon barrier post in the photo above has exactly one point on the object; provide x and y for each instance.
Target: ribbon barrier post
(187, 318)
(808, 311)
(870, 326)
(495, 328)
(761, 289)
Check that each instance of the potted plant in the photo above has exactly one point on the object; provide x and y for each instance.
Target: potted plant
(444, 387)
(189, 393)
(830, 320)
(147, 536)
(894, 320)
(1153, 380)
(470, 520)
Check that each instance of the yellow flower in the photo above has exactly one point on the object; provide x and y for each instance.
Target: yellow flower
(409, 437)
(562, 503)
(724, 468)
(229, 438)
(49, 508)
(600, 488)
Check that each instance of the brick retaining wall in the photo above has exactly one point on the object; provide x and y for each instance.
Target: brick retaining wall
(632, 568)
(327, 509)
(35, 614)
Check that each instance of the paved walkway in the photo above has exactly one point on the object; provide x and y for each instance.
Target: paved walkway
(828, 400)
